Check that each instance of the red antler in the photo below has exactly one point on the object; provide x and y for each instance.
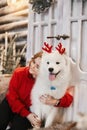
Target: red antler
(47, 47)
(60, 49)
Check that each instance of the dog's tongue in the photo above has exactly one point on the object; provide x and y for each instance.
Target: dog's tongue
(52, 76)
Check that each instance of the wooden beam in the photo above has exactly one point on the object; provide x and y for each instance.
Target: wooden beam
(22, 12)
(14, 16)
(19, 34)
(12, 19)
(13, 25)
(21, 43)
(19, 6)
(18, 44)
(3, 3)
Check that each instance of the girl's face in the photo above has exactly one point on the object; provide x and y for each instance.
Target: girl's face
(34, 66)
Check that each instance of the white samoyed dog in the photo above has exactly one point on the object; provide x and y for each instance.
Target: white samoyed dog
(53, 79)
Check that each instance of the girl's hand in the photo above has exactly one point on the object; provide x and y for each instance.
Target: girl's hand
(35, 121)
(49, 100)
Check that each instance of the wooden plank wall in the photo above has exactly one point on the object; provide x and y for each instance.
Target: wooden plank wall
(14, 20)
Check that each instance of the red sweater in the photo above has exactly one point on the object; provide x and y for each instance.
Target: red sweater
(20, 87)
(18, 95)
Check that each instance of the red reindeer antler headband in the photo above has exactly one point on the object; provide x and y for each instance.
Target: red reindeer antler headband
(48, 48)
(60, 49)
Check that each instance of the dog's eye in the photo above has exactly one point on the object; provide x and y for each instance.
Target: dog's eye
(57, 63)
(47, 62)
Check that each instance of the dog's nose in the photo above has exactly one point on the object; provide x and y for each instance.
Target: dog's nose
(50, 69)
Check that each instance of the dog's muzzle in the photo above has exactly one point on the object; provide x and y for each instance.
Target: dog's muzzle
(51, 70)
(52, 75)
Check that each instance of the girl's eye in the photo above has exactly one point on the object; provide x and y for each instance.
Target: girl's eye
(48, 62)
(38, 66)
(57, 63)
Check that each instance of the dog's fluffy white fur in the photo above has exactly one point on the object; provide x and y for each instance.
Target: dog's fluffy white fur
(81, 121)
(58, 65)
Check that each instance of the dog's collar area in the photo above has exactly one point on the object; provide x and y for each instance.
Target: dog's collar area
(53, 88)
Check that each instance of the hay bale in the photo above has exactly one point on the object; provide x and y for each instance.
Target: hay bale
(4, 83)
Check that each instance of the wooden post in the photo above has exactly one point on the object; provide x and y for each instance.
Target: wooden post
(14, 53)
(1, 58)
(6, 44)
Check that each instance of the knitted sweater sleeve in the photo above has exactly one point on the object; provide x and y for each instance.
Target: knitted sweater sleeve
(66, 100)
(13, 99)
